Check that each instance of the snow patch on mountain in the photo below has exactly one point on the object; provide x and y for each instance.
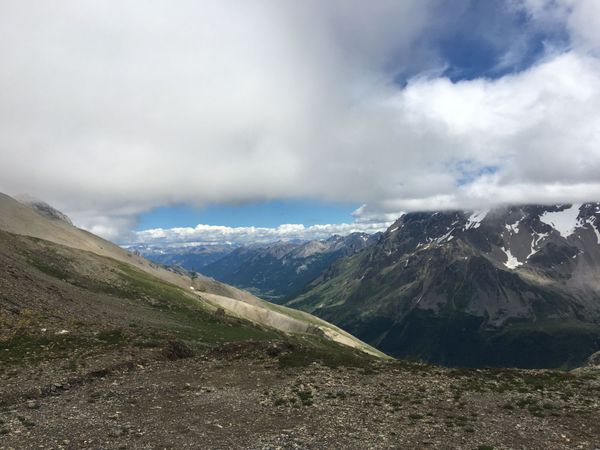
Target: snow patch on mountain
(475, 219)
(514, 227)
(536, 239)
(446, 237)
(511, 261)
(564, 221)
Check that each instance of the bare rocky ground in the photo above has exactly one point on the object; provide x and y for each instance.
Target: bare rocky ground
(250, 396)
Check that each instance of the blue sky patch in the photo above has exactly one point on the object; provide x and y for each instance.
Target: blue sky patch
(258, 214)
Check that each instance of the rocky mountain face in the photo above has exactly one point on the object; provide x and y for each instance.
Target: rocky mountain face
(282, 270)
(511, 286)
(46, 210)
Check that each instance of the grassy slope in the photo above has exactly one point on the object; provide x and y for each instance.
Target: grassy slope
(23, 220)
(106, 304)
(332, 292)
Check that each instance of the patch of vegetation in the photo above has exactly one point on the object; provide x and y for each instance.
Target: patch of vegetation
(308, 349)
(178, 350)
(25, 346)
(512, 380)
(55, 268)
(20, 346)
(112, 337)
(305, 397)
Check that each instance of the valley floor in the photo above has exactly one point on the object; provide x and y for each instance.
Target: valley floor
(242, 396)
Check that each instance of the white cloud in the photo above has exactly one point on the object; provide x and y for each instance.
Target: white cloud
(207, 234)
(108, 109)
(581, 18)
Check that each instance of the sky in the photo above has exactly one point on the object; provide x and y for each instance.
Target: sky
(259, 214)
(153, 120)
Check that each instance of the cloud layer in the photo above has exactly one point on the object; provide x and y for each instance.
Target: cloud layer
(109, 109)
(210, 234)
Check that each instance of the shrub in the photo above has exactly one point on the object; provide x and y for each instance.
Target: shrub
(178, 350)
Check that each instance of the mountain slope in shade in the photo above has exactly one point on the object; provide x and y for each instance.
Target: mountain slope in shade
(282, 270)
(90, 263)
(512, 286)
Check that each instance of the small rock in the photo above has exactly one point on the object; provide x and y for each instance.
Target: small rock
(33, 404)
(115, 432)
(593, 360)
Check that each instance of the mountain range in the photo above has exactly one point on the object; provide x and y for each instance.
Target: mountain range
(512, 286)
(282, 270)
(275, 271)
(193, 257)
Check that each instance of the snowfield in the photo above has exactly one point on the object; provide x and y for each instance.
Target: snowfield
(564, 221)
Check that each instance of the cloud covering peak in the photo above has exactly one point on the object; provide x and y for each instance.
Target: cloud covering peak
(109, 109)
